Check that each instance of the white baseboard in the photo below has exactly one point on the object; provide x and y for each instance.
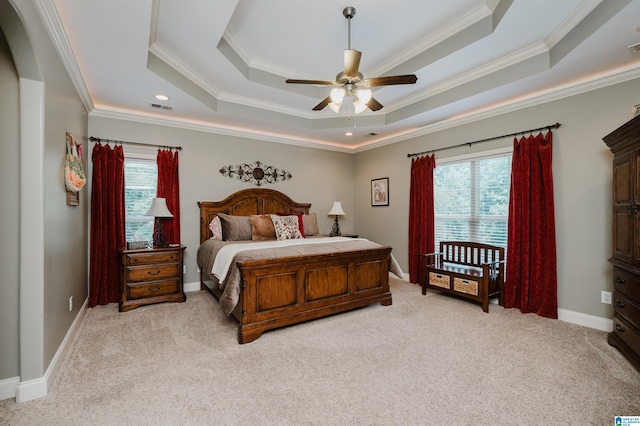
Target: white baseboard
(31, 389)
(591, 321)
(8, 387)
(191, 286)
(37, 388)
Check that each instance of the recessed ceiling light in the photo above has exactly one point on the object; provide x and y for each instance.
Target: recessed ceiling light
(161, 97)
(349, 134)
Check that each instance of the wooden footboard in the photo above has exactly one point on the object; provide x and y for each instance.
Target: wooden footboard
(281, 292)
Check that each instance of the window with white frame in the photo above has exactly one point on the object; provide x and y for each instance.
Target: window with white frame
(140, 180)
(471, 199)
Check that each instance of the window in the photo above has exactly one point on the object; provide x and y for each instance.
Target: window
(140, 179)
(471, 200)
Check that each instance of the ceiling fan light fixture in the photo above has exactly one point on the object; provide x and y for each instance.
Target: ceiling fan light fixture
(358, 106)
(351, 83)
(364, 95)
(337, 95)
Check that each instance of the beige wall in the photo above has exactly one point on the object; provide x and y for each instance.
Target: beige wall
(60, 249)
(9, 213)
(582, 179)
(319, 176)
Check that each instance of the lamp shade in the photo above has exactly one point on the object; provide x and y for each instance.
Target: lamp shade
(158, 208)
(336, 209)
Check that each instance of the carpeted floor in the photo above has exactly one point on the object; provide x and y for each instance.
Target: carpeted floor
(424, 360)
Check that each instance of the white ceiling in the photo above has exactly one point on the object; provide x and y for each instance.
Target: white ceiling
(223, 62)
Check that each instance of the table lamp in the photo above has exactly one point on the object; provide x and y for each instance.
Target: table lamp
(336, 210)
(159, 210)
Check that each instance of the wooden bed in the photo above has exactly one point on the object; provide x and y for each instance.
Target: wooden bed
(285, 291)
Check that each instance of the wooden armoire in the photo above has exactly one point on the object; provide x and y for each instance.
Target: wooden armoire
(624, 142)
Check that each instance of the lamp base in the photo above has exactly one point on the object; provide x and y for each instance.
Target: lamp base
(159, 239)
(335, 231)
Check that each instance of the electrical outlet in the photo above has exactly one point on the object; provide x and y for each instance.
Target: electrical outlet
(70, 303)
(184, 269)
(605, 297)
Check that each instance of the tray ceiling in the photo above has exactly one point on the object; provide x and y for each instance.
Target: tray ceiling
(223, 63)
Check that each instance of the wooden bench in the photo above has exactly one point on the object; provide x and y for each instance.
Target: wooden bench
(471, 270)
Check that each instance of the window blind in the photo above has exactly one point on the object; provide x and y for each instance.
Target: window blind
(140, 180)
(471, 200)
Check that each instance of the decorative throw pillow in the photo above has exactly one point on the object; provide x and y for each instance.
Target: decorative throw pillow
(235, 228)
(216, 228)
(310, 222)
(300, 224)
(286, 227)
(262, 228)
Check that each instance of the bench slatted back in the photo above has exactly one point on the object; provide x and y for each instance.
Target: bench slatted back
(470, 253)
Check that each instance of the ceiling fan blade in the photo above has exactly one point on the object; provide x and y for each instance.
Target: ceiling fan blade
(322, 104)
(351, 62)
(391, 80)
(374, 105)
(294, 81)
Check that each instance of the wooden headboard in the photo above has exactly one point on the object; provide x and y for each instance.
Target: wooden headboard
(245, 203)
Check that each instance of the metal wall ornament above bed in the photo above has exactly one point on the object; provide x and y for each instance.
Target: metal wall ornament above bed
(256, 172)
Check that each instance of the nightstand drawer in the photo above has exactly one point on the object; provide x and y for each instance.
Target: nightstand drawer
(144, 290)
(153, 273)
(151, 276)
(150, 258)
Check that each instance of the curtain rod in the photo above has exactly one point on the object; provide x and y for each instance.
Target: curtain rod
(93, 139)
(551, 126)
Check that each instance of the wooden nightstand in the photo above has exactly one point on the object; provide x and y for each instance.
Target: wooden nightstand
(151, 276)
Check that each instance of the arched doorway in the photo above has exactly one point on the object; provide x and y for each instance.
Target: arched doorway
(26, 327)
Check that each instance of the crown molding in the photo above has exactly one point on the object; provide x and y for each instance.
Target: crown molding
(553, 94)
(468, 20)
(570, 22)
(146, 118)
(171, 60)
(468, 77)
(52, 24)
(549, 95)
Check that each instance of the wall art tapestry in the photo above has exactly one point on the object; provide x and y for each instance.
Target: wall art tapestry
(256, 172)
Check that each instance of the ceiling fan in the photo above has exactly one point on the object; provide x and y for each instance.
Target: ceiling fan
(351, 82)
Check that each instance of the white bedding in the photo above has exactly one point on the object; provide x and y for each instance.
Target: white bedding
(226, 254)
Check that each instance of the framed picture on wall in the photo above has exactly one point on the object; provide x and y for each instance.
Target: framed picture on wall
(380, 192)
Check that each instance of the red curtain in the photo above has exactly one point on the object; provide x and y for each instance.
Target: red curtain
(421, 214)
(107, 224)
(531, 272)
(169, 188)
